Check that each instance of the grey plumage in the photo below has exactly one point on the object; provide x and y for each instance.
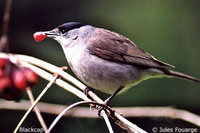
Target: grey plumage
(106, 60)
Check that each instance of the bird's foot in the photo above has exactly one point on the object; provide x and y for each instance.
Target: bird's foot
(113, 95)
(107, 101)
(86, 91)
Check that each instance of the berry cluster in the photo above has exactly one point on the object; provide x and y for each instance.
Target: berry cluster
(14, 79)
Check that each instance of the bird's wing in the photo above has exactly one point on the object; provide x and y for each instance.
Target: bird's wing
(114, 47)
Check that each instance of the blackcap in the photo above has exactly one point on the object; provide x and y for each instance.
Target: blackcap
(105, 60)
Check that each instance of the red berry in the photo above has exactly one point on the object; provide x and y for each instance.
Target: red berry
(3, 62)
(1, 73)
(19, 80)
(39, 36)
(31, 76)
(5, 82)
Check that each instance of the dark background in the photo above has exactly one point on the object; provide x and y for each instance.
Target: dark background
(169, 30)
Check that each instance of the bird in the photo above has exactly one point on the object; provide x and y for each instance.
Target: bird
(107, 61)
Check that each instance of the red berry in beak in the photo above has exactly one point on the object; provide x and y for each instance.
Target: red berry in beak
(19, 80)
(39, 36)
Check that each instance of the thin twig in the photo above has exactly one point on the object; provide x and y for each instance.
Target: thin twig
(6, 18)
(107, 121)
(53, 79)
(63, 112)
(37, 111)
(72, 106)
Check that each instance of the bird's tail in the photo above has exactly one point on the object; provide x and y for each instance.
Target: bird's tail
(181, 75)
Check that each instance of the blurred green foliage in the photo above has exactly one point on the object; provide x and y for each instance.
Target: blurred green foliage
(169, 30)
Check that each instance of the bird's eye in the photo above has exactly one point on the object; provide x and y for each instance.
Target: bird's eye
(63, 31)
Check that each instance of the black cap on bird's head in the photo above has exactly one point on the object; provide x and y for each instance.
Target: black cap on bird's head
(69, 26)
(63, 29)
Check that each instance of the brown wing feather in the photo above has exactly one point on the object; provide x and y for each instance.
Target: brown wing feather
(112, 46)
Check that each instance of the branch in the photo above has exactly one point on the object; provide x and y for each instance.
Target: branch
(61, 83)
(121, 121)
(82, 112)
(26, 60)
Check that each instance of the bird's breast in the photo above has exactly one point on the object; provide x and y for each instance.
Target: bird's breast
(100, 74)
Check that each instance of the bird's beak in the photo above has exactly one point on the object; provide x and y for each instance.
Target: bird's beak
(52, 34)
